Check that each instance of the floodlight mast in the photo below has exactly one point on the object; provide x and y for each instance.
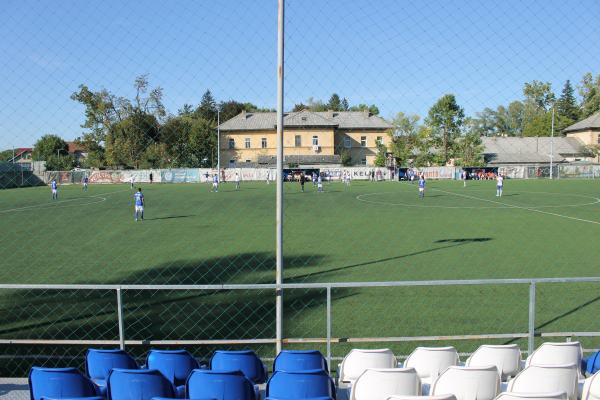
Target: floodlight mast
(279, 177)
(552, 145)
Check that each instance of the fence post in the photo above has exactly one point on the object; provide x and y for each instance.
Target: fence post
(329, 328)
(531, 340)
(120, 316)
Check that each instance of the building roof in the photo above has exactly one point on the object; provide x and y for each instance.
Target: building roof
(590, 123)
(249, 121)
(74, 147)
(499, 150)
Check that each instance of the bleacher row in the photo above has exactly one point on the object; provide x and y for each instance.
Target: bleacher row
(554, 371)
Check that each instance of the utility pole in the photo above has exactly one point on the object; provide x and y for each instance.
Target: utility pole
(552, 145)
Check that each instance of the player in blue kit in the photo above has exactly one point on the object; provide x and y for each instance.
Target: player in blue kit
(139, 204)
(54, 187)
(422, 186)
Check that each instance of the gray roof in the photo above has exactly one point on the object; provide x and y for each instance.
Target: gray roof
(591, 122)
(247, 121)
(500, 150)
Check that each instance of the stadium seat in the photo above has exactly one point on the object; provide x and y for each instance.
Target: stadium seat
(138, 384)
(546, 378)
(358, 360)
(59, 383)
(532, 396)
(591, 365)
(507, 358)
(430, 362)
(379, 384)
(219, 385)
(300, 385)
(307, 398)
(299, 360)
(99, 363)
(468, 383)
(245, 360)
(175, 365)
(438, 397)
(74, 398)
(556, 353)
(591, 388)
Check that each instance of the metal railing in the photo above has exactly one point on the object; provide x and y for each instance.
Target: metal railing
(328, 339)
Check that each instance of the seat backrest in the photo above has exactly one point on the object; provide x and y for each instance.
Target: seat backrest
(219, 385)
(379, 384)
(547, 378)
(99, 362)
(300, 384)
(507, 358)
(430, 362)
(299, 360)
(556, 353)
(358, 360)
(175, 365)
(592, 364)
(591, 388)
(438, 397)
(468, 383)
(532, 396)
(245, 360)
(138, 384)
(59, 383)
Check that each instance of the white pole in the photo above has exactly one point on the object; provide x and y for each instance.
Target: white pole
(218, 144)
(552, 145)
(279, 176)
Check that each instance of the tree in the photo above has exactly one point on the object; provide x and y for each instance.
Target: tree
(6, 155)
(445, 119)
(469, 149)
(344, 106)
(128, 139)
(187, 109)
(345, 157)
(372, 109)
(381, 156)
(334, 103)
(539, 94)
(207, 108)
(589, 90)
(300, 107)
(566, 105)
(541, 125)
(49, 146)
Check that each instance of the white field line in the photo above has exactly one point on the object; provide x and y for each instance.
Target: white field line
(519, 207)
(56, 204)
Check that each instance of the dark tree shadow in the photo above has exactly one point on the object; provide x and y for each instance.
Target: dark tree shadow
(169, 217)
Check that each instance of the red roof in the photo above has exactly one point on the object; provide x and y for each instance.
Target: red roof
(75, 147)
(22, 150)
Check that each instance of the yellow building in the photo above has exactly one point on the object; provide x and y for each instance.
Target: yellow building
(310, 138)
(587, 131)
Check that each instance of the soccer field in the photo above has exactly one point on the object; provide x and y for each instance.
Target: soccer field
(366, 232)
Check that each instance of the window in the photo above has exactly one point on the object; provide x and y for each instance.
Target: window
(347, 142)
(247, 143)
(231, 162)
(248, 161)
(315, 140)
(363, 141)
(263, 142)
(379, 140)
(598, 139)
(363, 161)
(231, 143)
(298, 141)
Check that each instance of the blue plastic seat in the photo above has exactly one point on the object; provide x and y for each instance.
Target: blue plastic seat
(309, 398)
(138, 384)
(295, 385)
(175, 365)
(59, 383)
(244, 360)
(219, 385)
(99, 363)
(74, 398)
(299, 360)
(591, 365)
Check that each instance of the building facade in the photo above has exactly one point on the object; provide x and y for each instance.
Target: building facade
(587, 131)
(249, 138)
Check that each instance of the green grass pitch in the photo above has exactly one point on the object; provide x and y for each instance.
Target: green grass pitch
(366, 232)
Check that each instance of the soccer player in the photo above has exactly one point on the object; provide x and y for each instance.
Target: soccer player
(499, 185)
(54, 187)
(215, 186)
(237, 181)
(138, 198)
(302, 180)
(268, 177)
(85, 183)
(131, 181)
(422, 186)
(319, 184)
(314, 178)
(463, 176)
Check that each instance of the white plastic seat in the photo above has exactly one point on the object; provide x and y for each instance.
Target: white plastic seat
(359, 360)
(430, 362)
(547, 378)
(381, 383)
(439, 397)
(591, 388)
(507, 358)
(556, 353)
(468, 383)
(532, 396)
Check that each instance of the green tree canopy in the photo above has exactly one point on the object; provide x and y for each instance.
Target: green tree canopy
(566, 105)
(445, 119)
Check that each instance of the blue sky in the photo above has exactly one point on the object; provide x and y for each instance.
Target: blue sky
(400, 55)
